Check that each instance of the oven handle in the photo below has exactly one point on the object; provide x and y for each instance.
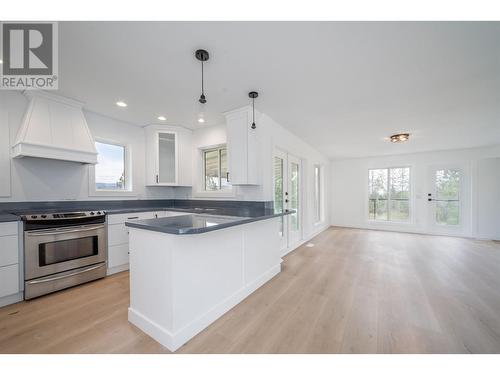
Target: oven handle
(48, 232)
(65, 276)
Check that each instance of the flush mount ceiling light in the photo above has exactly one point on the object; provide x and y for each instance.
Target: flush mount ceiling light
(202, 56)
(121, 104)
(399, 138)
(162, 118)
(253, 95)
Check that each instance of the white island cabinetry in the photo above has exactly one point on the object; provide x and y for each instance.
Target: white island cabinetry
(179, 284)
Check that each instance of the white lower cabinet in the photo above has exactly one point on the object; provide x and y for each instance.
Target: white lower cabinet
(118, 249)
(10, 290)
(117, 256)
(9, 276)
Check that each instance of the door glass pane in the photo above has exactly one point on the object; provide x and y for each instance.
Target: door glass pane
(447, 212)
(447, 197)
(223, 169)
(166, 158)
(447, 184)
(294, 196)
(211, 160)
(378, 194)
(399, 194)
(278, 189)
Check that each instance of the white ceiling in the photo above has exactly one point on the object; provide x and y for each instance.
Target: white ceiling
(340, 86)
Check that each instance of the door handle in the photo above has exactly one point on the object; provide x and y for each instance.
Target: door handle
(51, 232)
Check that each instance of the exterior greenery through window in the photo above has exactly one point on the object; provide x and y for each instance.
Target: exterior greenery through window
(215, 169)
(447, 197)
(389, 194)
(110, 168)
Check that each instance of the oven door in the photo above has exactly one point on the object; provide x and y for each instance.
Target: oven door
(49, 251)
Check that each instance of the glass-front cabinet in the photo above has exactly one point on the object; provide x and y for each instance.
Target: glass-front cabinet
(168, 156)
(166, 162)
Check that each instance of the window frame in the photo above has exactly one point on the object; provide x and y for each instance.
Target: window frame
(199, 191)
(410, 196)
(128, 188)
(318, 210)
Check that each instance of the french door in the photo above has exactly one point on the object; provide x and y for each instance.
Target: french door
(287, 196)
(445, 199)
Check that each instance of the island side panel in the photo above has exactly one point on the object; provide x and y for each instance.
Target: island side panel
(201, 276)
(262, 255)
(207, 278)
(151, 284)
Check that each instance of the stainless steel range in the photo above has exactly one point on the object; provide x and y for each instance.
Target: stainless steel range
(62, 250)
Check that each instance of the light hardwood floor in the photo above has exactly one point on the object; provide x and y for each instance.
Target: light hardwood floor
(355, 291)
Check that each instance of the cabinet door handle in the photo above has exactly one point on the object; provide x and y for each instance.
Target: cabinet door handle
(227, 176)
(157, 179)
(286, 200)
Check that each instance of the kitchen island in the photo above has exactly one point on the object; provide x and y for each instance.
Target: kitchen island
(187, 271)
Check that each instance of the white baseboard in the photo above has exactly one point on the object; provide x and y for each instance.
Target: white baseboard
(173, 341)
(404, 230)
(112, 270)
(13, 298)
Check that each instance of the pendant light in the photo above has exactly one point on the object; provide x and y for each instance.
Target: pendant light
(253, 95)
(202, 56)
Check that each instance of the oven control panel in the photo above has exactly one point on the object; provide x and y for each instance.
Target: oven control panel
(63, 215)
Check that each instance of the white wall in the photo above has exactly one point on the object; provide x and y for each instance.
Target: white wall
(34, 179)
(488, 198)
(349, 189)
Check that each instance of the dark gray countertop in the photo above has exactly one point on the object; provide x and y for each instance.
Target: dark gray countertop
(4, 217)
(10, 211)
(198, 223)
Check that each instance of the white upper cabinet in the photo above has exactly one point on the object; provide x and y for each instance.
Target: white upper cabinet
(168, 156)
(243, 147)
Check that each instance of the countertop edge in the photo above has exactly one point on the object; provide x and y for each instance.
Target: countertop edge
(138, 225)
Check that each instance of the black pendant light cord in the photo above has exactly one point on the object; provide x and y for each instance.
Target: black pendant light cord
(202, 56)
(202, 86)
(253, 113)
(253, 95)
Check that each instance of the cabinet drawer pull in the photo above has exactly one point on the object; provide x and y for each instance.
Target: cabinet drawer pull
(133, 217)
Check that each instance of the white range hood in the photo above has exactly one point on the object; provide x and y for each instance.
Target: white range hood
(54, 127)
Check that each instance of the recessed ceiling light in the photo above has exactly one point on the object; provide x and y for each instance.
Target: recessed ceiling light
(399, 138)
(1, 61)
(162, 118)
(201, 120)
(121, 104)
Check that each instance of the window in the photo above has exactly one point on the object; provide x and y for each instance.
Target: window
(110, 168)
(389, 194)
(215, 169)
(317, 193)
